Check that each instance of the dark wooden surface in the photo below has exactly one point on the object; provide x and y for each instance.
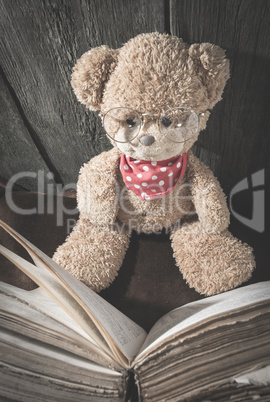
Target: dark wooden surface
(40, 42)
(237, 140)
(43, 127)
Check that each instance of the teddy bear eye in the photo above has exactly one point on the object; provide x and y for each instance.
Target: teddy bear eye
(166, 122)
(130, 122)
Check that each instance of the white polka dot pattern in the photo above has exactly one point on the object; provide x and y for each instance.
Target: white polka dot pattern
(152, 179)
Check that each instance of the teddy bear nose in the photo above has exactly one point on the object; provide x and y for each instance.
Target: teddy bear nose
(147, 140)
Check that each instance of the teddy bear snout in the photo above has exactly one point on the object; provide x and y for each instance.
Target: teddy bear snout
(147, 140)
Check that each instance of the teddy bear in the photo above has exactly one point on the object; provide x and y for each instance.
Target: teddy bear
(154, 96)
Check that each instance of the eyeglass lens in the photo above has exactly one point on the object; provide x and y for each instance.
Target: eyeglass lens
(122, 124)
(177, 125)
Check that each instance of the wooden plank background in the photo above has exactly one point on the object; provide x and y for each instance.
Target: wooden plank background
(43, 127)
(237, 141)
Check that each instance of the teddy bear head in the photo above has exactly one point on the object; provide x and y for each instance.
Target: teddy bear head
(154, 94)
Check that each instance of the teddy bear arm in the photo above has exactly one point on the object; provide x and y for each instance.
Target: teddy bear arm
(97, 190)
(208, 197)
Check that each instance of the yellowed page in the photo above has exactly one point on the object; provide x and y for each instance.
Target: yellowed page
(37, 348)
(36, 315)
(57, 292)
(123, 336)
(39, 300)
(193, 313)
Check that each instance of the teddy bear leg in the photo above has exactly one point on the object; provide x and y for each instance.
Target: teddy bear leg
(94, 254)
(211, 262)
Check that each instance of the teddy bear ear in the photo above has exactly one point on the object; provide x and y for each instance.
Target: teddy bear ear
(90, 74)
(213, 67)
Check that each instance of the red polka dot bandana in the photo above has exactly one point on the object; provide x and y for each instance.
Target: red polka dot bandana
(151, 180)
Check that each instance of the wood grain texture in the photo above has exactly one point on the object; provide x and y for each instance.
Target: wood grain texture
(237, 141)
(18, 152)
(41, 42)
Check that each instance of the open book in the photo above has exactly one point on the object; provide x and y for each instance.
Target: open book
(63, 342)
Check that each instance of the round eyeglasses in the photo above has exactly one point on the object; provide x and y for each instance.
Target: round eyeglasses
(123, 124)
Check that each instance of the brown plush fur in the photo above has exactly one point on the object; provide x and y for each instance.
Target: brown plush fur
(152, 73)
(96, 250)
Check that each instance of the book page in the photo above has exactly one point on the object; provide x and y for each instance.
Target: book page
(56, 291)
(40, 301)
(35, 314)
(126, 334)
(193, 313)
(36, 348)
(260, 377)
(123, 336)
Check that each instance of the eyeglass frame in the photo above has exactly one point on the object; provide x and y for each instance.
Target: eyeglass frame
(158, 117)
